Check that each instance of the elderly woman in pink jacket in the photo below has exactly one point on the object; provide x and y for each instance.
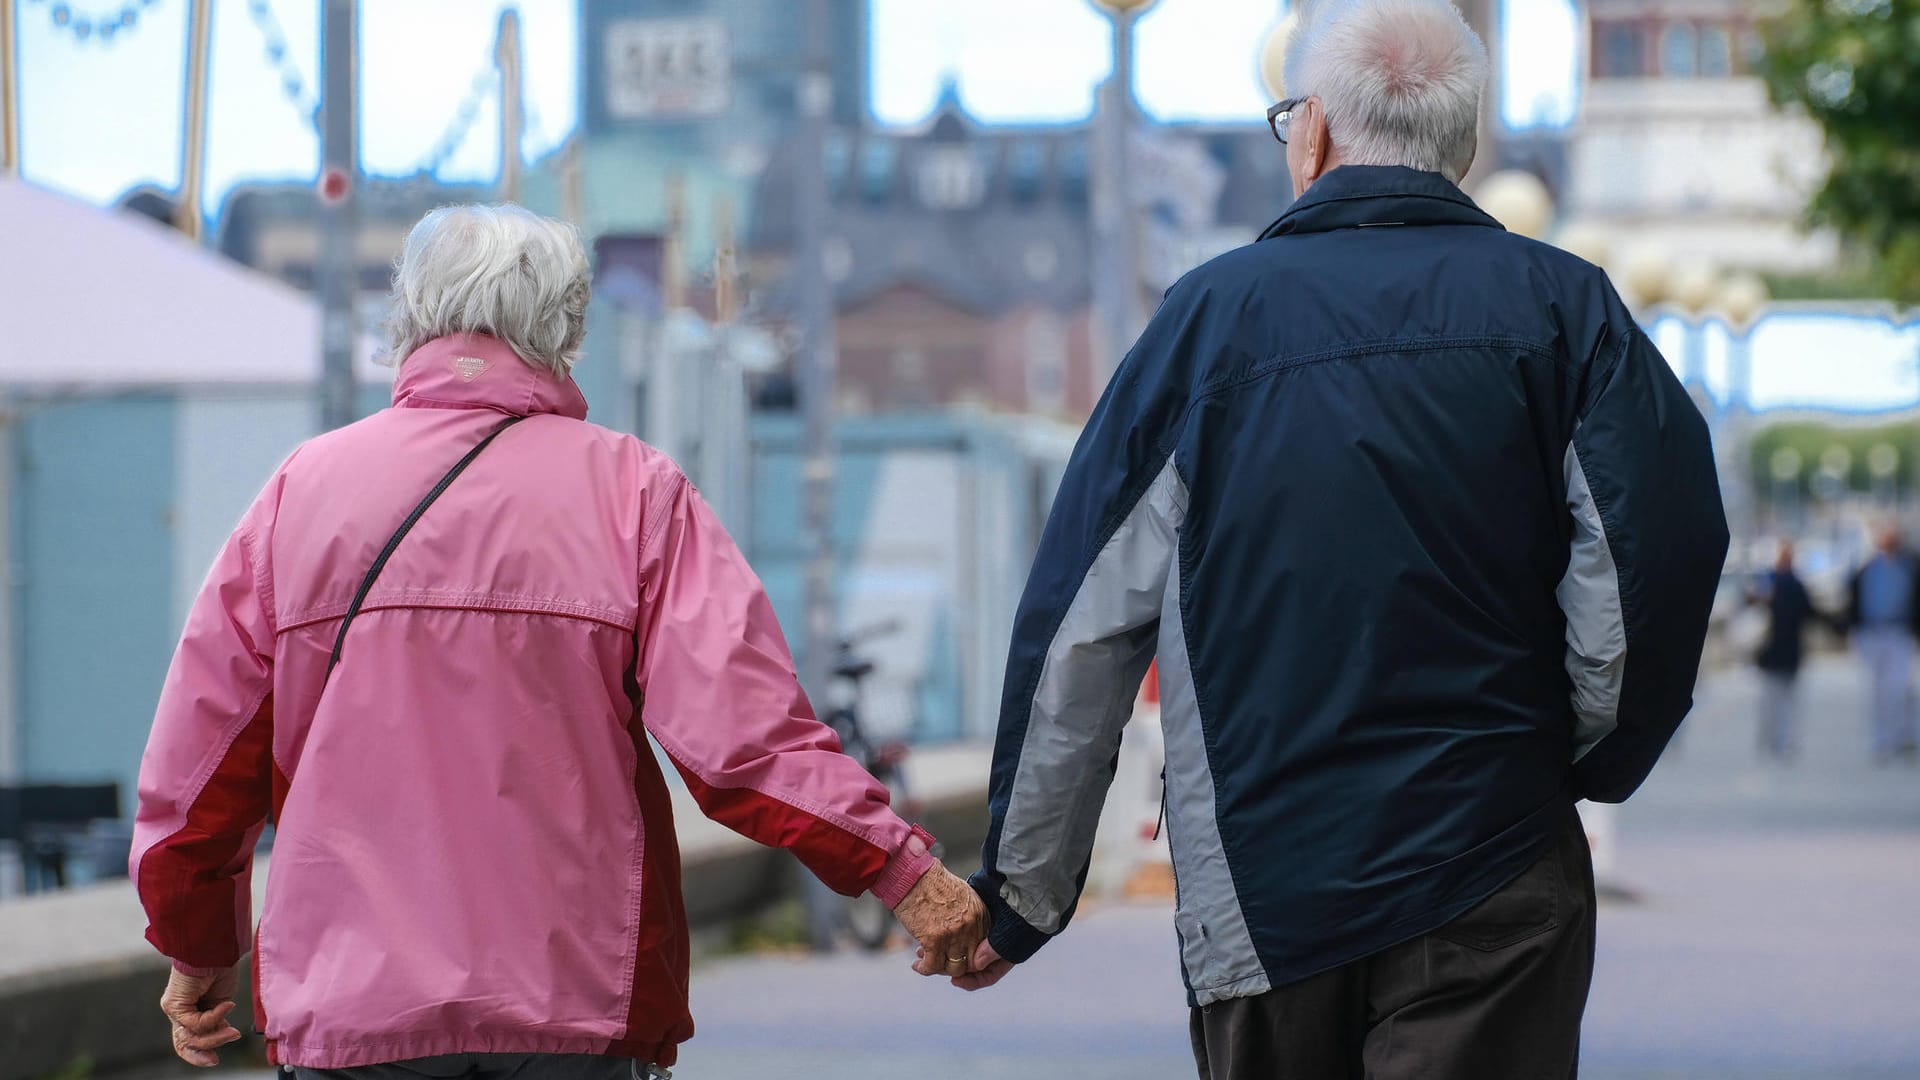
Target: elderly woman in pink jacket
(430, 654)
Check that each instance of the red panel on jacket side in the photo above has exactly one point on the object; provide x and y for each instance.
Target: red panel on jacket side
(185, 881)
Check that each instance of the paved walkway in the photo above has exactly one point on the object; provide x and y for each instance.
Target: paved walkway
(1778, 937)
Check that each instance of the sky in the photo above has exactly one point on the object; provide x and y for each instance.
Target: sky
(99, 116)
(1867, 360)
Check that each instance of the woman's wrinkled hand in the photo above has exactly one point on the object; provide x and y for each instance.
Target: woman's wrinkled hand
(947, 918)
(197, 1007)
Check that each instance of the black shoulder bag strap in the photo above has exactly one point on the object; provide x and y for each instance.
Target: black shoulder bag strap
(399, 534)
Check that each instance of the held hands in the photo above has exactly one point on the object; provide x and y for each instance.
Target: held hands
(983, 968)
(950, 922)
(947, 918)
(197, 1006)
(988, 969)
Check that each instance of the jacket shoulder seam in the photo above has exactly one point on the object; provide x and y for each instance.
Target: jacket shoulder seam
(658, 514)
(453, 599)
(1287, 362)
(250, 549)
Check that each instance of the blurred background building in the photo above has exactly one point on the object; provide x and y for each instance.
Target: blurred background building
(1676, 139)
(275, 228)
(961, 253)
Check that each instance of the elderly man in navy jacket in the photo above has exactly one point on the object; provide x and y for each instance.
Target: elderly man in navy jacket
(1424, 533)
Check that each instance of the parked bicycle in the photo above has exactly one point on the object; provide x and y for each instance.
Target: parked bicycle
(865, 918)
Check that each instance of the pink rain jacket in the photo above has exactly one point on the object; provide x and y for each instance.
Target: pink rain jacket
(474, 846)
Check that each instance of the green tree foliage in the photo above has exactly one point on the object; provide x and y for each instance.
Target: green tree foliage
(1811, 442)
(1854, 66)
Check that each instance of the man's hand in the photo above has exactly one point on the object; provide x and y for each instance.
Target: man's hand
(988, 969)
(197, 1006)
(947, 918)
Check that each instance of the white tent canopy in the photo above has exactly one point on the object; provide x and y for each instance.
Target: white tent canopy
(98, 297)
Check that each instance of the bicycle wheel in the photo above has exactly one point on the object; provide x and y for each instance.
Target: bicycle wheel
(869, 922)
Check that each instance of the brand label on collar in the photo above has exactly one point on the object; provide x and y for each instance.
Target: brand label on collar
(469, 367)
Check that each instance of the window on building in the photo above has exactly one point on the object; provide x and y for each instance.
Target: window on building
(375, 279)
(876, 169)
(1679, 51)
(1716, 52)
(1026, 161)
(1753, 50)
(950, 179)
(1046, 348)
(1619, 52)
(1072, 165)
(913, 384)
(839, 158)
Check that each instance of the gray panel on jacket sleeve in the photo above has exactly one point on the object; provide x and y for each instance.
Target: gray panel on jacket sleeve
(1083, 699)
(1589, 594)
(1215, 948)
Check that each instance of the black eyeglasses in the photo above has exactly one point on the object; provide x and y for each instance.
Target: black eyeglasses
(1280, 117)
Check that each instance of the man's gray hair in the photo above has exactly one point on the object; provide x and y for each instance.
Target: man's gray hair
(498, 270)
(1401, 80)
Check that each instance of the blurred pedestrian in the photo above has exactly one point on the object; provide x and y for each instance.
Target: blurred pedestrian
(1883, 615)
(1425, 534)
(1788, 611)
(475, 861)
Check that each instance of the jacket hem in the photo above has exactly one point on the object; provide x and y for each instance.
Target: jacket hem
(1501, 859)
(406, 1048)
(199, 972)
(1248, 986)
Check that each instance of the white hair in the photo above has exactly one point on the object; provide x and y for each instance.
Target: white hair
(498, 270)
(1401, 80)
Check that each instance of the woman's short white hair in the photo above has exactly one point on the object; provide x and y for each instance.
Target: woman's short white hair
(1401, 80)
(499, 270)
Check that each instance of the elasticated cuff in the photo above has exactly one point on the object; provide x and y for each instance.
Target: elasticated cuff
(1013, 937)
(200, 972)
(905, 869)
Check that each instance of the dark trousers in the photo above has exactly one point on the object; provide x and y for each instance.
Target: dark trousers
(490, 1067)
(1496, 994)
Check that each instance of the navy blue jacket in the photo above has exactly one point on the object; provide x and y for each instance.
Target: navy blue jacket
(1424, 533)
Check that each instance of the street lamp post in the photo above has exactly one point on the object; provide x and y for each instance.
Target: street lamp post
(817, 371)
(506, 57)
(193, 164)
(1273, 57)
(339, 276)
(9, 107)
(1585, 240)
(1646, 274)
(1742, 298)
(1518, 201)
(1785, 468)
(817, 360)
(1883, 464)
(1693, 288)
(1831, 484)
(1116, 232)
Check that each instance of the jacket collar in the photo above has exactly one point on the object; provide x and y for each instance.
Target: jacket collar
(474, 371)
(1351, 196)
